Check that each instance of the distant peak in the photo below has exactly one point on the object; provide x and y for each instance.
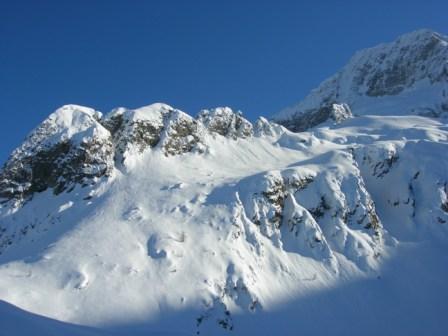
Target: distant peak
(405, 76)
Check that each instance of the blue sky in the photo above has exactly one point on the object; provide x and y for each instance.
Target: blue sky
(256, 56)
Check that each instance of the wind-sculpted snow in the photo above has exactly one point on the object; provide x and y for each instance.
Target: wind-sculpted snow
(407, 76)
(324, 210)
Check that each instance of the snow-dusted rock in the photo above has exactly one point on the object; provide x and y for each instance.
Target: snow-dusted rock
(69, 147)
(157, 125)
(226, 122)
(407, 76)
(324, 209)
(134, 131)
(182, 134)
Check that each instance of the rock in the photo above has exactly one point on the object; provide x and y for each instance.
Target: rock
(182, 134)
(315, 213)
(154, 126)
(134, 131)
(407, 76)
(224, 121)
(70, 147)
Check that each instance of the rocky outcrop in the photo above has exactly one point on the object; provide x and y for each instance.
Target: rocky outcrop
(156, 125)
(332, 112)
(70, 147)
(76, 145)
(182, 134)
(133, 131)
(224, 121)
(416, 57)
(314, 212)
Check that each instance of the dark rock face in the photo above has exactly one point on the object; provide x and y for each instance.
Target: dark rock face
(58, 167)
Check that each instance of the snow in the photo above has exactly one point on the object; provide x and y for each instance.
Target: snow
(70, 122)
(148, 113)
(214, 226)
(407, 76)
(169, 239)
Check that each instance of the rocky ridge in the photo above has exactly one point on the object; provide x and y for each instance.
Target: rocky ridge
(77, 145)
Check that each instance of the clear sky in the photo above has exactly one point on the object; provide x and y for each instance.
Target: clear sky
(256, 56)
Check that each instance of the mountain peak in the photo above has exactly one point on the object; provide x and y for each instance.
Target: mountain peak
(77, 145)
(406, 76)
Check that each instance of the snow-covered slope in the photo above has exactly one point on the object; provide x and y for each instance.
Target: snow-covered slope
(215, 237)
(407, 76)
(152, 222)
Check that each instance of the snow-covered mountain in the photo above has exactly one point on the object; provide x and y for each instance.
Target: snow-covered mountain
(153, 222)
(407, 76)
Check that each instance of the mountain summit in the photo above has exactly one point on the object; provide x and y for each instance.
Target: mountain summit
(150, 221)
(406, 77)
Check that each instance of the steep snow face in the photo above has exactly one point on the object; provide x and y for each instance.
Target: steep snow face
(407, 76)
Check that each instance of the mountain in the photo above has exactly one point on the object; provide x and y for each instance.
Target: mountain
(407, 76)
(150, 221)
